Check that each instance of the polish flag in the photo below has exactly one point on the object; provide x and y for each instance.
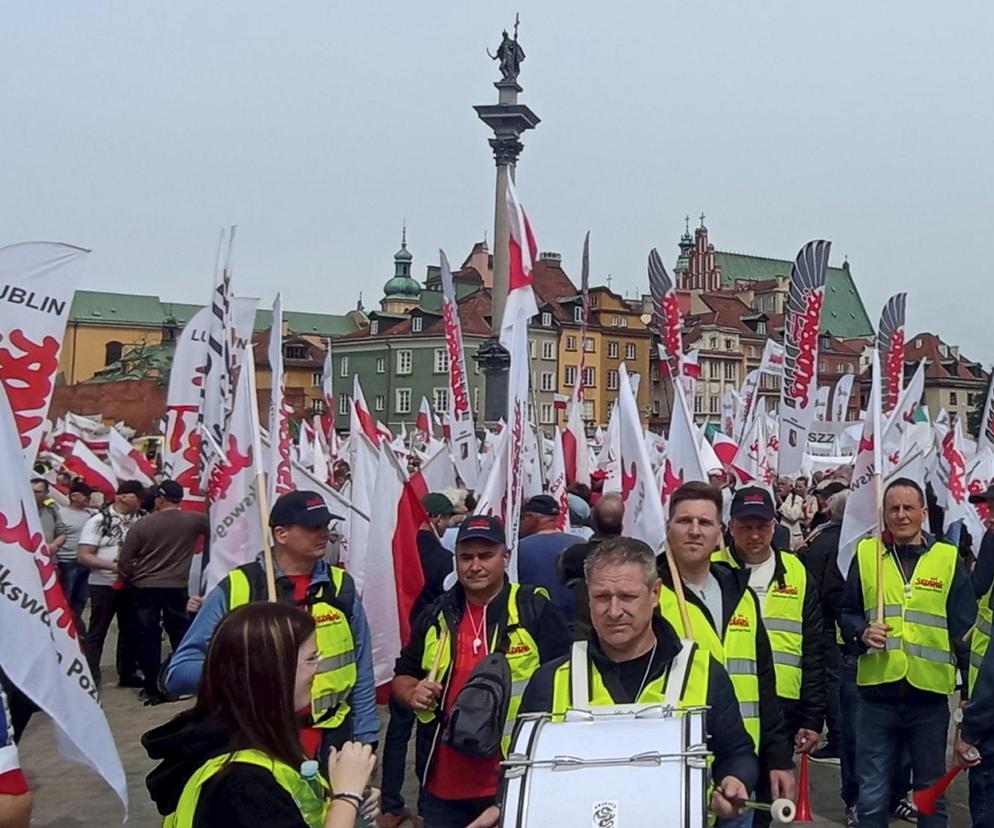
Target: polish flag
(560, 401)
(423, 422)
(96, 474)
(725, 447)
(361, 416)
(128, 462)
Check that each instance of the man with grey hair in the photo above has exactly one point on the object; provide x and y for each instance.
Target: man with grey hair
(633, 651)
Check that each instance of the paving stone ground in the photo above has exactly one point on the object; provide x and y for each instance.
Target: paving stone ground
(67, 795)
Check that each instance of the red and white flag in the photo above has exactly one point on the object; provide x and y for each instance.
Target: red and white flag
(729, 408)
(773, 358)
(279, 479)
(518, 311)
(560, 401)
(39, 646)
(422, 424)
(128, 462)
(459, 418)
(328, 392)
(361, 417)
(724, 446)
(890, 345)
(95, 434)
(683, 462)
(557, 481)
(81, 462)
(862, 515)
(841, 396)
(643, 516)
(37, 282)
(747, 405)
(666, 316)
(801, 325)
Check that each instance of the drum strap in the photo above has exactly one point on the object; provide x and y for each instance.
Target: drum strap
(678, 673)
(579, 680)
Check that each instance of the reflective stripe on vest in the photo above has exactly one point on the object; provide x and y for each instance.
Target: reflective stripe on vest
(313, 809)
(981, 638)
(783, 615)
(737, 652)
(918, 646)
(522, 657)
(336, 672)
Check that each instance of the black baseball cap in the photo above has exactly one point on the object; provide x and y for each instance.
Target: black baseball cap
(437, 505)
(131, 487)
(482, 527)
(983, 497)
(301, 508)
(541, 505)
(753, 501)
(170, 490)
(80, 487)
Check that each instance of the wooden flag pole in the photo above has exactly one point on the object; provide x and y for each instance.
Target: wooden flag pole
(261, 496)
(681, 599)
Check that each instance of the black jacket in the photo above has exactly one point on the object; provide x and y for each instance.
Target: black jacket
(961, 614)
(809, 710)
(978, 712)
(436, 564)
(727, 736)
(238, 796)
(537, 615)
(821, 557)
(776, 745)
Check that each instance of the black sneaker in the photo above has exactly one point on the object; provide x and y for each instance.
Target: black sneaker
(852, 820)
(905, 809)
(827, 754)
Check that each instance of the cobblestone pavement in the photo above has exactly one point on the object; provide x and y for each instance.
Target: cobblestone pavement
(68, 795)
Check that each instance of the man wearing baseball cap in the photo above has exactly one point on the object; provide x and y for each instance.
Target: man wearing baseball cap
(343, 696)
(482, 613)
(540, 548)
(789, 604)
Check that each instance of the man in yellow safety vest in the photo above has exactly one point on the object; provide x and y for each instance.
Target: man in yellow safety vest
(908, 660)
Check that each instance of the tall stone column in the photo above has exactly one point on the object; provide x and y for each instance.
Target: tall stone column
(508, 119)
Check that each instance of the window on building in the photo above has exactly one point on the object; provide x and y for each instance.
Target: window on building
(548, 381)
(531, 349)
(624, 322)
(112, 352)
(295, 352)
(714, 370)
(416, 323)
(569, 376)
(612, 350)
(404, 362)
(588, 344)
(655, 408)
(953, 398)
(317, 378)
(570, 343)
(343, 367)
(440, 398)
(822, 366)
(612, 380)
(698, 404)
(588, 410)
(730, 370)
(317, 406)
(629, 350)
(714, 405)
(590, 377)
(548, 349)
(729, 344)
(578, 313)
(546, 320)
(379, 402)
(713, 343)
(381, 365)
(654, 373)
(547, 414)
(374, 327)
(761, 327)
(343, 405)
(918, 342)
(441, 360)
(403, 401)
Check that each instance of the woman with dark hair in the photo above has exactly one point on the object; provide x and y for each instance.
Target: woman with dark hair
(235, 759)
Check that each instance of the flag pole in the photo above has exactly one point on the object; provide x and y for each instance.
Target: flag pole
(261, 496)
(681, 599)
(878, 437)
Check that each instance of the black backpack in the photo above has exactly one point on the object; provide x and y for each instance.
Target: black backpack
(475, 723)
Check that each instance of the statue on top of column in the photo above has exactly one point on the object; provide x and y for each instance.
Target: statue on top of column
(510, 54)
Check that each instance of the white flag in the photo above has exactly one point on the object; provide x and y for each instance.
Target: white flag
(773, 359)
(279, 479)
(643, 516)
(557, 481)
(39, 650)
(840, 397)
(37, 282)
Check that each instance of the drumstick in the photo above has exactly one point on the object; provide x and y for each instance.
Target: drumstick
(681, 599)
(443, 642)
(782, 810)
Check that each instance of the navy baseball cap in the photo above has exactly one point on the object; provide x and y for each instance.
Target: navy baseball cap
(482, 527)
(753, 501)
(170, 490)
(301, 508)
(542, 505)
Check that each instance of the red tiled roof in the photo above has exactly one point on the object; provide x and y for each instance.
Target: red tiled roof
(260, 348)
(939, 366)
(474, 311)
(552, 284)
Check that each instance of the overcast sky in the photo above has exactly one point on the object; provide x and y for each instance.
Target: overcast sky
(137, 129)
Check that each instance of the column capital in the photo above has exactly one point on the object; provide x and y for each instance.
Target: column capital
(506, 149)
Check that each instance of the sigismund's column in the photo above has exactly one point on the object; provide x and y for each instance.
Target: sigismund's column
(508, 119)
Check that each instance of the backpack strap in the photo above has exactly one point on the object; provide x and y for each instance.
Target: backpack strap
(579, 680)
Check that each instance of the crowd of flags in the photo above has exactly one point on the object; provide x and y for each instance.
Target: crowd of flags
(230, 466)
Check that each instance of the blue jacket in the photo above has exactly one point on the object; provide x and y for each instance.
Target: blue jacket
(183, 673)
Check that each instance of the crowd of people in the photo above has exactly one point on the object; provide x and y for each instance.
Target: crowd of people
(747, 613)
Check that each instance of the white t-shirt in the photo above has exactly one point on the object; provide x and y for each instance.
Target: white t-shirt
(710, 595)
(108, 543)
(761, 574)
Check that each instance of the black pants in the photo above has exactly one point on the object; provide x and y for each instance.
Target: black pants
(106, 603)
(155, 608)
(451, 813)
(395, 756)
